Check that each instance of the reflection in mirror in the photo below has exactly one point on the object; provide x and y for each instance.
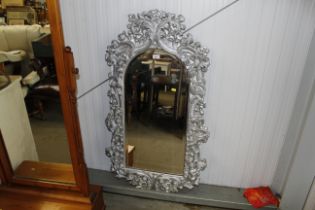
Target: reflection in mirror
(31, 119)
(156, 98)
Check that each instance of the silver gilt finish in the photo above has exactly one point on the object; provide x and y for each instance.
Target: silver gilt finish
(157, 30)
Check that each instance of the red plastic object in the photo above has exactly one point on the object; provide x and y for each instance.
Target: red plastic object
(260, 197)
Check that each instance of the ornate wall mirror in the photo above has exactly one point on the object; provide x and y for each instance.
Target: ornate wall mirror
(156, 97)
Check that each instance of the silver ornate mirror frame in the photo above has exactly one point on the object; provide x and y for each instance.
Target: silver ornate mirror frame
(162, 30)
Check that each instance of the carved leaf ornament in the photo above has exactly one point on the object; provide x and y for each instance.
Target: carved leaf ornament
(162, 30)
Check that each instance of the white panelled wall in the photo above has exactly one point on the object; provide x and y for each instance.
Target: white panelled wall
(258, 51)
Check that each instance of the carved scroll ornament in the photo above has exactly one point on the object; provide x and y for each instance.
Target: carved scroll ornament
(162, 30)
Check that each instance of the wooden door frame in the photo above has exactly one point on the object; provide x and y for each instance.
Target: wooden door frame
(66, 75)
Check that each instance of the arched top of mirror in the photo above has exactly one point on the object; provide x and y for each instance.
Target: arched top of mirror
(158, 30)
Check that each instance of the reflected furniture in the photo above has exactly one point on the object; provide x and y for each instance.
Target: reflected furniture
(129, 154)
(25, 188)
(6, 79)
(138, 91)
(20, 15)
(15, 125)
(19, 37)
(16, 44)
(144, 82)
(43, 51)
(164, 76)
(47, 88)
(178, 85)
(6, 3)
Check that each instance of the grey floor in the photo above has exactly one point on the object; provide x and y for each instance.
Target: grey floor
(123, 202)
(50, 135)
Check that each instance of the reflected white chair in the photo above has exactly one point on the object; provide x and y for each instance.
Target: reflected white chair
(16, 44)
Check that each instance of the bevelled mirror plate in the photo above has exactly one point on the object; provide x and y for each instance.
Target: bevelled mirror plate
(156, 97)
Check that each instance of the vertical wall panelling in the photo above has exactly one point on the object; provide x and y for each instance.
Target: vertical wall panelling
(296, 122)
(301, 174)
(258, 50)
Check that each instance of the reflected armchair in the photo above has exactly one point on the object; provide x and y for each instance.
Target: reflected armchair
(16, 44)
